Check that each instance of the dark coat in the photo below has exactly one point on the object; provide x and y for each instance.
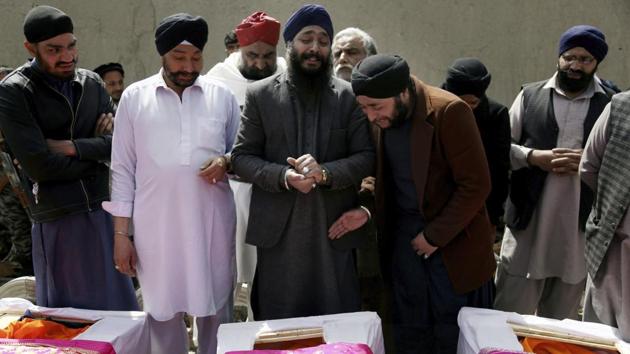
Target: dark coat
(493, 121)
(31, 111)
(268, 135)
(451, 176)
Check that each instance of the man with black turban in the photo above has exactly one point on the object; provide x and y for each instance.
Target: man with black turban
(305, 146)
(169, 166)
(431, 184)
(54, 117)
(113, 75)
(542, 269)
(469, 79)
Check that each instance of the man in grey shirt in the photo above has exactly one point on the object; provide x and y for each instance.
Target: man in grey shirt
(542, 268)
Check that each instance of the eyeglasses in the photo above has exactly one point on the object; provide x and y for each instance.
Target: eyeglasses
(570, 59)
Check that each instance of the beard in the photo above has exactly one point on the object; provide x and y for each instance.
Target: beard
(344, 71)
(56, 70)
(400, 113)
(296, 60)
(572, 85)
(180, 78)
(255, 74)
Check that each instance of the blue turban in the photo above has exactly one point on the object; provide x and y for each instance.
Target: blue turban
(308, 15)
(587, 37)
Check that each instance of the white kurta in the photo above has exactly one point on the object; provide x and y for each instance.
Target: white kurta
(228, 73)
(183, 226)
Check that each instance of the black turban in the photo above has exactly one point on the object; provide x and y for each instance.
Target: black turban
(105, 68)
(467, 76)
(175, 29)
(45, 22)
(380, 76)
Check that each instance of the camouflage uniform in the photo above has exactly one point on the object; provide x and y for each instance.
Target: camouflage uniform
(15, 233)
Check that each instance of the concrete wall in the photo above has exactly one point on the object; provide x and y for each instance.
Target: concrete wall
(516, 39)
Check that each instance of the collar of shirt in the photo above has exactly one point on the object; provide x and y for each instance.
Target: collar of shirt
(594, 87)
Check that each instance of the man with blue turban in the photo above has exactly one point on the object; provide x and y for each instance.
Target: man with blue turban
(542, 268)
(305, 146)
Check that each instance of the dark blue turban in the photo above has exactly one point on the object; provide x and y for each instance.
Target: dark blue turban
(308, 15)
(587, 37)
(175, 29)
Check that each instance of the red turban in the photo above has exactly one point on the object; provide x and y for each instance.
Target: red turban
(258, 27)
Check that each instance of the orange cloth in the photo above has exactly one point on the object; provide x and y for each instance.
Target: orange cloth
(543, 346)
(29, 328)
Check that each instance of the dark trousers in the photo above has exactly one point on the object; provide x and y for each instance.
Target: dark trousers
(425, 304)
(73, 260)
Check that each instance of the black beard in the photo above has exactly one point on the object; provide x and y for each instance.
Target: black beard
(255, 74)
(571, 85)
(401, 112)
(173, 77)
(46, 69)
(295, 63)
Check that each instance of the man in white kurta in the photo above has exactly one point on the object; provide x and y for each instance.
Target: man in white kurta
(172, 133)
(258, 36)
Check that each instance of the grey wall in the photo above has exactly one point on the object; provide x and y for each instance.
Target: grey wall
(516, 39)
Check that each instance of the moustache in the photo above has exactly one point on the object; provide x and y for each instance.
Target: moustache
(184, 73)
(65, 63)
(307, 56)
(578, 72)
(343, 66)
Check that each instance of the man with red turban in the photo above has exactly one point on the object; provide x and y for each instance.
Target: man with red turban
(257, 37)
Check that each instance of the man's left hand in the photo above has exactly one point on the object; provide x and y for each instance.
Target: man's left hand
(307, 166)
(213, 170)
(421, 246)
(63, 147)
(104, 125)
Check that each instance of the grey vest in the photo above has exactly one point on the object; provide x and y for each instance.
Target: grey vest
(613, 185)
(540, 131)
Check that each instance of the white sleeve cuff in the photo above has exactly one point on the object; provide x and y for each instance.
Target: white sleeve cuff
(518, 156)
(120, 209)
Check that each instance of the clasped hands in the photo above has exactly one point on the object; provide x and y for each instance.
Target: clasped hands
(561, 161)
(305, 174)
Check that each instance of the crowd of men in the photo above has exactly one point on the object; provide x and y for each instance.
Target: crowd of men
(324, 179)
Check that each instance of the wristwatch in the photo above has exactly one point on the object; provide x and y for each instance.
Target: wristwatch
(325, 176)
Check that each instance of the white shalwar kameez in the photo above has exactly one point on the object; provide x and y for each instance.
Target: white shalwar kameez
(183, 226)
